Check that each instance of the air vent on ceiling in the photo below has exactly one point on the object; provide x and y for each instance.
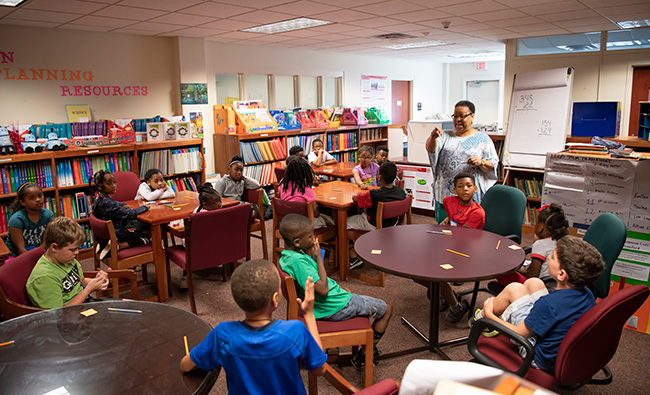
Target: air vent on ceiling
(393, 36)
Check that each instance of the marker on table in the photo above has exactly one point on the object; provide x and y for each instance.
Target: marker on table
(167, 205)
(10, 342)
(498, 244)
(187, 350)
(124, 310)
(436, 232)
(458, 253)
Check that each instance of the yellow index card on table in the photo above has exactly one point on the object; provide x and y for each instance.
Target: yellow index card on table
(89, 312)
(375, 252)
(514, 247)
(446, 266)
(447, 232)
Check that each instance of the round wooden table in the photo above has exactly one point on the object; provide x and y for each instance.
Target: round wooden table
(105, 353)
(415, 252)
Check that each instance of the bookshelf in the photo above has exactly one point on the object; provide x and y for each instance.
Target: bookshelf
(64, 176)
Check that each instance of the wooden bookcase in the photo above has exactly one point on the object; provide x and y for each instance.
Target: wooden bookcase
(53, 159)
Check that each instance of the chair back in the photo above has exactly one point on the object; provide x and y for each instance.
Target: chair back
(279, 173)
(13, 278)
(394, 209)
(283, 207)
(593, 339)
(127, 185)
(217, 237)
(607, 233)
(288, 287)
(253, 196)
(101, 229)
(504, 211)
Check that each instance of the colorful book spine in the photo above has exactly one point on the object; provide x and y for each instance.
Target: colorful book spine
(6, 185)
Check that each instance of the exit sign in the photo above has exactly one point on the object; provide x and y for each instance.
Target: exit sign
(480, 65)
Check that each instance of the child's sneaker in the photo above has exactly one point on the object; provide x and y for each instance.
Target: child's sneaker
(359, 360)
(183, 283)
(355, 263)
(457, 312)
(487, 332)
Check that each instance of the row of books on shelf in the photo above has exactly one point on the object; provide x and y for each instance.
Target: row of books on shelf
(304, 141)
(79, 171)
(346, 156)
(264, 174)
(531, 188)
(370, 134)
(171, 161)
(262, 151)
(342, 141)
(13, 176)
(182, 184)
(530, 216)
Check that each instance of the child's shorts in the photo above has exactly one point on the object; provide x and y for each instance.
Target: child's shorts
(360, 222)
(518, 310)
(360, 306)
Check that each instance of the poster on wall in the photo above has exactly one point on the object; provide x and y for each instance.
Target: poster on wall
(78, 113)
(194, 93)
(373, 91)
(196, 122)
(418, 180)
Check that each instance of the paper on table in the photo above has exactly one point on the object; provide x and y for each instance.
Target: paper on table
(89, 312)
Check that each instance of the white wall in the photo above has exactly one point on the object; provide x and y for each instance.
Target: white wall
(598, 76)
(114, 60)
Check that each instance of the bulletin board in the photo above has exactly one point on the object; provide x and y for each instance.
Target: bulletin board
(587, 186)
(374, 92)
(539, 116)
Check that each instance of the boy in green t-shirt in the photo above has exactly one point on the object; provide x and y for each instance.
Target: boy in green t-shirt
(57, 279)
(332, 302)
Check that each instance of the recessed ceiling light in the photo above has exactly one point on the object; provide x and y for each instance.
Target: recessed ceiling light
(421, 44)
(287, 26)
(11, 3)
(476, 55)
(633, 24)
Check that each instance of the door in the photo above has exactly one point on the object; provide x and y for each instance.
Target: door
(640, 92)
(400, 102)
(485, 96)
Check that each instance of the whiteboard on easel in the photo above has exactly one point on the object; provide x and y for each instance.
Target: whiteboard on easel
(540, 112)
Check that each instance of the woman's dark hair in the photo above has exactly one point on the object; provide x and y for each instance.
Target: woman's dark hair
(468, 104)
(235, 159)
(150, 173)
(556, 222)
(98, 179)
(20, 195)
(206, 192)
(298, 173)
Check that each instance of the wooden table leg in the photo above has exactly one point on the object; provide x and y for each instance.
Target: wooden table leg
(342, 243)
(159, 262)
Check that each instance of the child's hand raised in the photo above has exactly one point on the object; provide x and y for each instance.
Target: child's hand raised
(316, 248)
(307, 306)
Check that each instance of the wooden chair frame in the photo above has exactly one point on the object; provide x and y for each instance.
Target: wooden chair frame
(260, 226)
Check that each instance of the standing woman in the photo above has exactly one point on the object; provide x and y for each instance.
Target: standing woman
(464, 149)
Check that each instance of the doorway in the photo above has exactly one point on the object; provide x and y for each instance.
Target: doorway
(640, 92)
(400, 102)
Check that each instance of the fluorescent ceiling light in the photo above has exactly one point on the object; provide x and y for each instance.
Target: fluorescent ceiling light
(422, 44)
(476, 55)
(633, 24)
(287, 26)
(11, 3)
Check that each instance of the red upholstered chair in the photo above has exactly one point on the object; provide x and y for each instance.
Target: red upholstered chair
(355, 332)
(385, 210)
(14, 301)
(279, 173)
(281, 208)
(127, 185)
(256, 196)
(212, 238)
(122, 259)
(587, 347)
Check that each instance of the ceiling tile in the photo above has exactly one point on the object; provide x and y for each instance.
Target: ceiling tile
(336, 28)
(497, 16)
(390, 8)
(241, 35)
(182, 19)
(632, 16)
(552, 8)
(592, 28)
(256, 4)
(527, 20)
(606, 3)
(421, 15)
(569, 15)
(193, 32)
(101, 21)
(343, 16)
(5, 11)
(270, 38)
(455, 22)
(262, 17)
(625, 9)
(138, 14)
(164, 5)
(350, 3)
(216, 10)
(532, 27)
(523, 3)
(377, 22)
(88, 28)
(303, 8)
(73, 6)
(227, 24)
(20, 22)
(474, 7)
(365, 33)
(581, 22)
(151, 27)
(220, 39)
(43, 16)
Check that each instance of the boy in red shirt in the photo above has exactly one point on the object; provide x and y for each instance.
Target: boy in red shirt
(463, 211)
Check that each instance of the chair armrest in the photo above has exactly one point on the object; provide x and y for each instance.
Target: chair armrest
(122, 273)
(477, 329)
(527, 249)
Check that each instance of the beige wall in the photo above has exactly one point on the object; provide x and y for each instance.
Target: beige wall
(598, 76)
(115, 60)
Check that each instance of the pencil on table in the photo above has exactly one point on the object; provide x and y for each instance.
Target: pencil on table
(187, 350)
(498, 244)
(7, 343)
(458, 253)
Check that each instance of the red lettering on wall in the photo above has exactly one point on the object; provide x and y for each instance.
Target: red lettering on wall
(117, 91)
(65, 91)
(136, 91)
(7, 76)
(51, 75)
(77, 90)
(75, 75)
(97, 90)
(144, 91)
(37, 74)
(127, 93)
(88, 75)
(22, 75)
(7, 57)
(87, 90)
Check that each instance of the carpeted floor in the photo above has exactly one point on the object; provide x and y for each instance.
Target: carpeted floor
(215, 304)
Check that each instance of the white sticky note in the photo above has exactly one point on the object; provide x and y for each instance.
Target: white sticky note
(446, 266)
(375, 252)
(514, 247)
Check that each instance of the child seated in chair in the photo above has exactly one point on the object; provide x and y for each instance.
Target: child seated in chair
(262, 355)
(332, 302)
(57, 279)
(233, 184)
(318, 156)
(365, 173)
(532, 312)
(370, 199)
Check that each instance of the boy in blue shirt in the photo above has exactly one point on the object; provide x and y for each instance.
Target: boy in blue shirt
(332, 302)
(262, 355)
(545, 318)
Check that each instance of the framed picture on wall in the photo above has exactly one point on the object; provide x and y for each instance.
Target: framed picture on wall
(194, 93)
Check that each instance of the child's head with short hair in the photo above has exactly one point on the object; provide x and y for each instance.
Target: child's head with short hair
(28, 196)
(465, 187)
(551, 222)
(154, 178)
(62, 238)
(297, 232)
(381, 155)
(365, 155)
(580, 260)
(316, 145)
(103, 182)
(209, 198)
(386, 174)
(296, 150)
(298, 175)
(254, 284)
(236, 168)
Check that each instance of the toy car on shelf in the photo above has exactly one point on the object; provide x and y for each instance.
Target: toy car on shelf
(30, 144)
